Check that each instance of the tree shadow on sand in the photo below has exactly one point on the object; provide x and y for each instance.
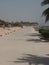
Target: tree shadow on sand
(37, 40)
(33, 34)
(33, 59)
(47, 54)
(36, 37)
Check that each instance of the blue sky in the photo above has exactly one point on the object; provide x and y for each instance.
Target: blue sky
(18, 10)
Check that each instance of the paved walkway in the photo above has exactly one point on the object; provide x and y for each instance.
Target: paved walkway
(23, 47)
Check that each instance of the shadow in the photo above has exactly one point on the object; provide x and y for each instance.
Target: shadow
(38, 39)
(1, 35)
(33, 34)
(33, 59)
(47, 54)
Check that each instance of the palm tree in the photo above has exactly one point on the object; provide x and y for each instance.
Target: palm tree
(46, 12)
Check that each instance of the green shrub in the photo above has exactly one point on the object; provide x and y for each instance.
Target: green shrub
(17, 24)
(44, 33)
(40, 30)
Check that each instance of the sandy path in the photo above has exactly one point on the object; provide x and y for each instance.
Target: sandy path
(20, 43)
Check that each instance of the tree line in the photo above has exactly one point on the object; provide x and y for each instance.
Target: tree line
(21, 23)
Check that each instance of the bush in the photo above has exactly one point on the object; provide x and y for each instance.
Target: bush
(44, 32)
(40, 30)
(17, 24)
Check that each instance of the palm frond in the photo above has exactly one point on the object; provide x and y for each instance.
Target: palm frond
(46, 14)
(47, 18)
(45, 2)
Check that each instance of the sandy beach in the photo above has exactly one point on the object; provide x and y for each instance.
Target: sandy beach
(6, 31)
(23, 47)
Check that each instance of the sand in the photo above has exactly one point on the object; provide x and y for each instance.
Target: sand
(23, 47)
(6, 31)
